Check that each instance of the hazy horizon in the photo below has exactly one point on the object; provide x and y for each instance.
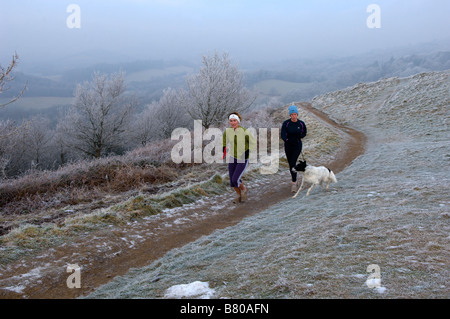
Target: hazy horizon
(179, 29)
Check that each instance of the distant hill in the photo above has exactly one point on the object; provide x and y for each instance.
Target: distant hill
(293, 80)
(305, 79)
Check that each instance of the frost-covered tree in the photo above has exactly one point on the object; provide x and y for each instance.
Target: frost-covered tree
(12, 148)
(161, 118)
(38, 141)
(100, 116)
(216, 91)
(6, 76)
(145, 129)
(6, 129)
(170, 114)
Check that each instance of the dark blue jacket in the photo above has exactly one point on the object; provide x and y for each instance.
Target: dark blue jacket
(292, 133)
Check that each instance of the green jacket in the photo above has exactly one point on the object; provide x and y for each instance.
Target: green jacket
(240, 142)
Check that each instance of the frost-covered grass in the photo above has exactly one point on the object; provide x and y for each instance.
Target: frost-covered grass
(390, 208)
(28, 238)
(87, 180)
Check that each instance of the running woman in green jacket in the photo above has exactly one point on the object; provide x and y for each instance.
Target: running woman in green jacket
(239, 143)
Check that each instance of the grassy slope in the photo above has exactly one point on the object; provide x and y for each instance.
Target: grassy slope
(390, 208)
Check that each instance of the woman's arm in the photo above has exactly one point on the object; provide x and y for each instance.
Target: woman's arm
(283, 132)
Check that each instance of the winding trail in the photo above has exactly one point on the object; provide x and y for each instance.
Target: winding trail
(105, 254)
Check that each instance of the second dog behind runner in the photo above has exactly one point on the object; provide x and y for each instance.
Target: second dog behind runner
(240, 142)
(292, 132)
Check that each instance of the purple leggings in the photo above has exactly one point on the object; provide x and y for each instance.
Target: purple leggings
(236, 170)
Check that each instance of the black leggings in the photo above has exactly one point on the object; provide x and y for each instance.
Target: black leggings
(292, 154)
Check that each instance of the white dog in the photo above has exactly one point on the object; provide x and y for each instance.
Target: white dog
(314, 175)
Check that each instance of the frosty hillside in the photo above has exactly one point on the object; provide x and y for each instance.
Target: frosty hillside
(390, 209)
(230, 150)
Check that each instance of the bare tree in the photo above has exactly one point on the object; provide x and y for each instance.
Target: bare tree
(12, 148)
(6, 76)
(160, 118)
(169, 114)
(145, 129)
(100, 115)
(6, 130)
(37, 139)
(216, 91)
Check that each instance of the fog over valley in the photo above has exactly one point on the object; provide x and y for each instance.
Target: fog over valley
(62, 43)
(285, 51)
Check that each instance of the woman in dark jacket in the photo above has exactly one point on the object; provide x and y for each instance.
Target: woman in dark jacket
(292, 132)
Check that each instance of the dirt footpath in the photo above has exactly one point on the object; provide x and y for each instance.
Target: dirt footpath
(105, 254)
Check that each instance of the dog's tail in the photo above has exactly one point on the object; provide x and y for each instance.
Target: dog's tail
(332, 176)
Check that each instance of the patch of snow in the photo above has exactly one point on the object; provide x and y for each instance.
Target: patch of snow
(197, 289)
(380, 290)
(19, 282)
(17, 289)
(34, 273)
(181, 221)
(375, 284)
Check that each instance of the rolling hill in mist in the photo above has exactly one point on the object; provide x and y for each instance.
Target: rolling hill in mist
(288, 81)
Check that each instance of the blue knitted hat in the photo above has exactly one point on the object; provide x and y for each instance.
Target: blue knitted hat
(293, 109)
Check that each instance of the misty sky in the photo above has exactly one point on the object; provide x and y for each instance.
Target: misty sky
(250, 30)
